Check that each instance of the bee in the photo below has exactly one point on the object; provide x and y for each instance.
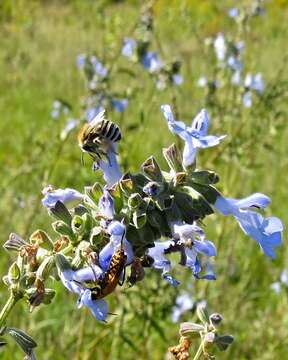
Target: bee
(96, 137)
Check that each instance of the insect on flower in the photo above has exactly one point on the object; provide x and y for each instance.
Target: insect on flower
(98, 136)
(106, 284)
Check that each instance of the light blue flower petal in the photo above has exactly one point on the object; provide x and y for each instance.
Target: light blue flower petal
(106, 204)
(110, 168)
(272, 225)
(205, 247)
(187, 231)
(119, 104)
(99, 308)
(200, 123)
(177, 79)
(90, 273)
(66, 196)
(105, 256)
(66, 277)
(247, 99)
(128, 48)
(191, 258)
(203, 142)
(170, 279)
(157, 253)
(116, 228)
(224, 205)
(257, 200)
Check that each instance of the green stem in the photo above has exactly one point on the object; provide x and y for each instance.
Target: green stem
(7, 309)
(199, 352)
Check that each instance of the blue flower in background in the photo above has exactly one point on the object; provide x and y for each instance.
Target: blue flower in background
(184, 302)
(119, 104)
(220, 47)
(233, 12)
(151, 61)
(129, 46)
(81, 60)
(177, 79)
(92, 112)
(247, 99)
(266, 231)
(66, 196)
(99, 68)
(255, 82)
(195, 136)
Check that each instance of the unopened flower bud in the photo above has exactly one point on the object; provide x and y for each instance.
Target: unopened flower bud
(174, 158)
(23, 340)
(202, 313)
(14, 274)
(152, 170)
(14, 243)
(192, 329)
(215, 319)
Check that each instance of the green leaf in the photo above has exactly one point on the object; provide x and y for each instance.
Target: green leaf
(204, 177)
(24, 340)
(60, 211)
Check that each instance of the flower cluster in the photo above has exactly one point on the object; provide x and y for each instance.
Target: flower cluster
(138, 50)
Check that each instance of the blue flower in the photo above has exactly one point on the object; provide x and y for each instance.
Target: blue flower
(195, 136)
(110, 167)
(184, 302)
(72, 280)
(92, 112)
(169, 278)
(255, 82)
(177, 79)
(157, 253)
(66, 196)
(106, 204)
(129, 46)
(202, 81)
(233, 12)
(99, 308)
(220, 47)
(99, 68)
(247, 99)
(116, 230)
(70, 125)
(236, 78)
(193, 238)
(266, 231)
(81, 60)
(151, 61)
(119, 104)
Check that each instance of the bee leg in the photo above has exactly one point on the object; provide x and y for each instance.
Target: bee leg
(121, 282)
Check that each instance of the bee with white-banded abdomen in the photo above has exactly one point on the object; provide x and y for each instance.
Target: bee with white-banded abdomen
(97, 137)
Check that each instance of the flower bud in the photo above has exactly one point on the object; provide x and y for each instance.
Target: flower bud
(14, 243)
(215, 319)
(45, 268)
(14, 274)
(63, 229)
(190, 329)
(40, 238)
(134, 201)
(153, 188)
(174, 158)
(202, 313)
(60, 211)
(152, 170)
(22, 339)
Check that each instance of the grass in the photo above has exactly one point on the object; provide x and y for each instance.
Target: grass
(39, 44)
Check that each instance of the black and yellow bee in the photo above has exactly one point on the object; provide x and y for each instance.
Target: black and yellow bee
(96, 137)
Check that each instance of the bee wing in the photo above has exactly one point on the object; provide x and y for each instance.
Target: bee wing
(99, 117)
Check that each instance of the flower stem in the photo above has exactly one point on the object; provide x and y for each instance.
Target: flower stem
(12, 300)
(199, 352)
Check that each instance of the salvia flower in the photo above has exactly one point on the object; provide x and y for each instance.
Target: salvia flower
(119, 104)
(151, 61)
(220, 47)
(129, 46)
(195, 136)
(255, 82)
(110, 167)
(184, 302)
(66, 196)
(266, 231)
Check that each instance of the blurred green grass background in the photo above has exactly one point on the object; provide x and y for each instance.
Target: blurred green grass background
(39, 44)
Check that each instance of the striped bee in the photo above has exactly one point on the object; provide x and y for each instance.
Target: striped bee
(96, 137)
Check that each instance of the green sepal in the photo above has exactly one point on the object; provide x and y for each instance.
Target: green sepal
(207, 191)
(202, 314)
(152, 170)
(173, 157)
(94, 192)
(96, 236)
(142, 239)
(223, 341)
(179, 179)
(45, 268)
(62, 262)
(204, 177)
(24, 340)
(117, 196)
(134, 201)
(14, 273)
(164, 202)
(60, 211)
(41, 238)
(139, 219)
(158, 219)
(126, 184)
(63, 229)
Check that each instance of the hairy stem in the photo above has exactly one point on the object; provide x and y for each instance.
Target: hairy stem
(12, 300)
(199, 352)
